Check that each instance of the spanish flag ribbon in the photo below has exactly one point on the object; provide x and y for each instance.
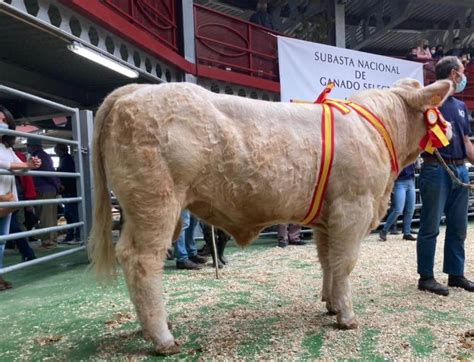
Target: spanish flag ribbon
(436, 134)
(327, 132)
(327, 135)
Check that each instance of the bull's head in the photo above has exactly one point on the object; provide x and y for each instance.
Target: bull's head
(418, 100)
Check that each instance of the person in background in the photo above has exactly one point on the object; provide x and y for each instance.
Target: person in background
(67, 188)
(221, 241)
(47, 188)
(403, 199)
(457, 50)
(439, 194)
(25, 187)
(439, 52)
(261, 16)
(185, 247)
(470, 51)
(9, 161)
(412, 54)
(289, 234)
(423, 50)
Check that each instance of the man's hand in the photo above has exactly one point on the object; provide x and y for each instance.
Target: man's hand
(469, 149)
(34, 162)
(7, 197)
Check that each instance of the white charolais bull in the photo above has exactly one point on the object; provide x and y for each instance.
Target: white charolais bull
(242, 165)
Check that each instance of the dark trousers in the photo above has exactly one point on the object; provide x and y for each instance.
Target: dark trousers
(16, 226)
(440, 195)
(71, 213)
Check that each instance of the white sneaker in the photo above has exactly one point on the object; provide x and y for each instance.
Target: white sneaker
(74, 242)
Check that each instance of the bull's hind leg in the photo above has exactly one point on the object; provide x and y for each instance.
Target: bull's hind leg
(142, 249)
(345, 235)
(322, 244)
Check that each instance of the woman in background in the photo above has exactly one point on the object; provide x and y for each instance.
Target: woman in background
(9, 161)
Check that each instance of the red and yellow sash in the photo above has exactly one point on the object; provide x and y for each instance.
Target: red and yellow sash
(327, 135)
(436, 131)
(327, 132)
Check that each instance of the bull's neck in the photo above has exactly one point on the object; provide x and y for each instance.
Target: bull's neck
(405, 132)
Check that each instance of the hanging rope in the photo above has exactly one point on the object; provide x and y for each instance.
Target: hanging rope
(450, 172)
(216, 262)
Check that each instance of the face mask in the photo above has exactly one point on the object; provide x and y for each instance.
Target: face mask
(3, 126)
(462, 84)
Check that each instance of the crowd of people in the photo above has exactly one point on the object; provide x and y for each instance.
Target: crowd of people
(426, 52)
(24, 187)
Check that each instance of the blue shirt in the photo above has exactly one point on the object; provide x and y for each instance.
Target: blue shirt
(66, 164)
(456, 113)
(407, 173)
(45, 184)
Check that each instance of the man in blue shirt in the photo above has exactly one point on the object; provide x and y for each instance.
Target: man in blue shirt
(47, 188)
(439, 194)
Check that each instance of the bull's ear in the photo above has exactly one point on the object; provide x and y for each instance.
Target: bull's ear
(421, 98)
(436, 93)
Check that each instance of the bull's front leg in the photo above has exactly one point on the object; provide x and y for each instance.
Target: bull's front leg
(322, 243)
(141, 252)
(343, 255)
(341, 295)
(347, 226)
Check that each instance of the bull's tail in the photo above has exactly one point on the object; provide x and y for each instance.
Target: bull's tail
(101, 248)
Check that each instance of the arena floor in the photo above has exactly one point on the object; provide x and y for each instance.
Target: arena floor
(266, 306)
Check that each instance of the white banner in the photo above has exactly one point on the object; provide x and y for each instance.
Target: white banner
(306, 68)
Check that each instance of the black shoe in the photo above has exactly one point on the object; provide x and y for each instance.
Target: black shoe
(198, 259)
(394, 232)
(409, 237)
(460, 282)
(282, 244)
(204, 251)
(432, 286)
(219, 264)
(188, 265)
(221, 243)
(297, 242)
(383, 235)
(28, 258)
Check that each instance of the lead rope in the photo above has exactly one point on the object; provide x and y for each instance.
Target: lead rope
(450, 172)
(216, 262)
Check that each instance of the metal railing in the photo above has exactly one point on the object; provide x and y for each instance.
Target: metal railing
(233, 44)
(156, 17)
(83, 223)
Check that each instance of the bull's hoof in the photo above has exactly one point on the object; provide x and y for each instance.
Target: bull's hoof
(331, 309)
(168, 350)
(348, 325)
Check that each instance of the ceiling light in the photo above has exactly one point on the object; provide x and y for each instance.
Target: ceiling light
(102, 60)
